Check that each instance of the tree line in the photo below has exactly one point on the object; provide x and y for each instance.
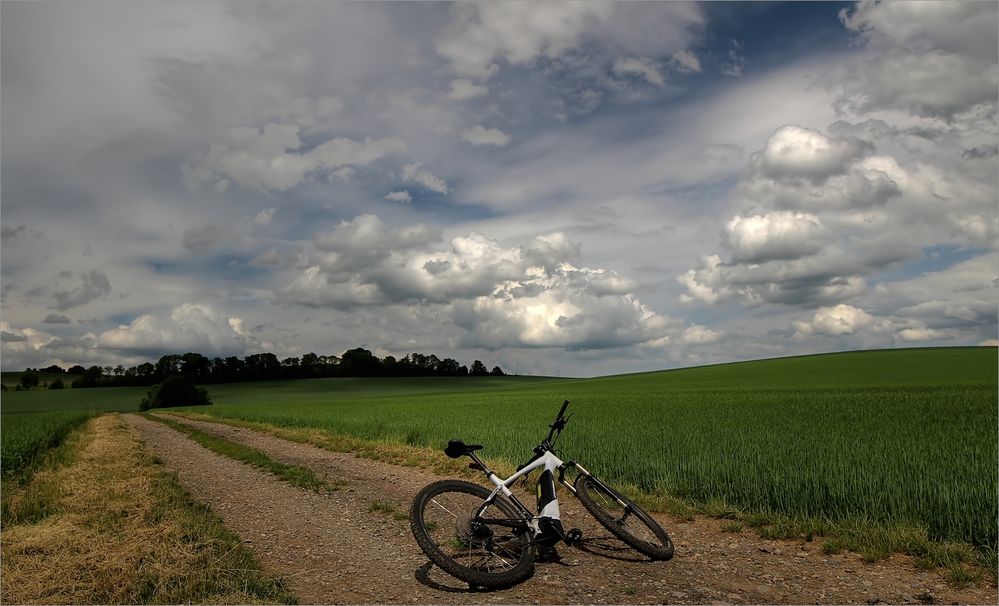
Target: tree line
(357, 362)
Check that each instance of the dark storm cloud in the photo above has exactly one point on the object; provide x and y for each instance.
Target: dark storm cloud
(95, 285)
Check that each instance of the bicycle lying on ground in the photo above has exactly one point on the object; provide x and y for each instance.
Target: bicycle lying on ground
(490, 539)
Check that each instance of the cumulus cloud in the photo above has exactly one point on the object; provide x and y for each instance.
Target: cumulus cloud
(479, 39)
(402, 196)
(479, 135)
(190, 327)
(478, 35)
(793, 152)
(933, 59)
(641, 67)
(818, 214)
(273, 157)
(835, 321)
(415, 174)
(961, 297)
(685, 62)
(700, 335)
(27, 347)
(527, 296)
(921, 334)
(778, 235)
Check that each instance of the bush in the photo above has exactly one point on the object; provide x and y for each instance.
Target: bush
(29, 379)
(57, 384)
(175, 391)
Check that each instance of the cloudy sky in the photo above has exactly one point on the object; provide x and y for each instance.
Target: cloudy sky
(562, 188)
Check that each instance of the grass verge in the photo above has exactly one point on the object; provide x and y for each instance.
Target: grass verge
(296, 475)
(872, 541)
(102, 523)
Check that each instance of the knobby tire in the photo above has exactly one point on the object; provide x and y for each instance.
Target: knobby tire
(441, 520)
(639, 530)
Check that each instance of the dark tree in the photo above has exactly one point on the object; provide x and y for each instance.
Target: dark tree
(54, 369)
(359, 362)
(29, 379)
(448, 367)
(92, 377)
(76, 370)
(175, 391)
(497, 371)
(145, 371)
(478, 369)
(57, 384)
(195, 366)
(168, 366)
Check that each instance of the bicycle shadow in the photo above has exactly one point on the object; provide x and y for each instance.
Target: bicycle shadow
(610, 547)
(422, 575)
(601, 546)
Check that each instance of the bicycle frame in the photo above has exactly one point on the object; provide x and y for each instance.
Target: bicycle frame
(546, 523)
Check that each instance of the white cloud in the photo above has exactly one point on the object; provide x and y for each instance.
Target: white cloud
(642, 67)
(700, 335)
(921, 334)
(463, 88)
(778, 235)
(960, 27)
(795, 152)
(413, 173)
(835, 321)
(705, 283)
(402, 196)
(933, 59)
(531, 296)
(684, 61)
(272, 157)
(480, 34)
(190, 327)
(480, 135)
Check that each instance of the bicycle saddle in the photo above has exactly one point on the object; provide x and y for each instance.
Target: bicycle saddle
(457, 448)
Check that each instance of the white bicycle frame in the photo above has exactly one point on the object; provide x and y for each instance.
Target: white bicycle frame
(551, 463)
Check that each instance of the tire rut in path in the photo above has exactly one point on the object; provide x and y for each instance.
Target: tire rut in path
(334, 549)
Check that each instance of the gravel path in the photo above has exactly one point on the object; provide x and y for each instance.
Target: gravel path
(335, 550)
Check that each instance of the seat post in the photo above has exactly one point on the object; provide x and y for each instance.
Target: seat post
(479, 462)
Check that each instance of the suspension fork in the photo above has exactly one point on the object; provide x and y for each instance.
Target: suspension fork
(583, 472)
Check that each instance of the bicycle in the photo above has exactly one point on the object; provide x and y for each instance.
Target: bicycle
(489, 538)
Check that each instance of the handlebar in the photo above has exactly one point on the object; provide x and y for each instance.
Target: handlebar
(558, 424)
(562, 410)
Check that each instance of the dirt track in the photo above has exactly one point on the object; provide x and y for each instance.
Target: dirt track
(334, 549)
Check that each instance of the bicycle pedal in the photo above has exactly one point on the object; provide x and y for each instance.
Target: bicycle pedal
(574, 536)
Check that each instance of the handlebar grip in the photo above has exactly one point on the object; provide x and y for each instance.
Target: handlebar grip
(562, 410)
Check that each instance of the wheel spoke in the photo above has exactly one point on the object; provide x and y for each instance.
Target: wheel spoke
(456, 532)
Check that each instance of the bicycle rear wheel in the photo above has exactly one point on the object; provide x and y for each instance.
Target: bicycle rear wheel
(486, 546)
(629, 523)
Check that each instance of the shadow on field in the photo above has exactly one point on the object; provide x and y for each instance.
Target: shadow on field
(611, 548)
(422, 575)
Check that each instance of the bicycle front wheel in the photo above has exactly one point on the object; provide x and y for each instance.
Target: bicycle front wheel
(485, 545)
(629, 523)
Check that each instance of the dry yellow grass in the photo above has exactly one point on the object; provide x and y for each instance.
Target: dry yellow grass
(118, 529)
